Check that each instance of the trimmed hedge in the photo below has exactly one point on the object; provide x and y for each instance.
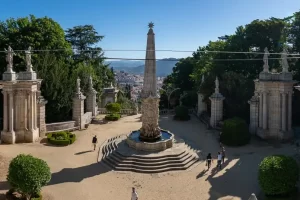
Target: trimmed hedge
(278, 175)
(113, 117)
(62, 138)
(27, 175)
(113, 107)
(182, 113)
(235, 132)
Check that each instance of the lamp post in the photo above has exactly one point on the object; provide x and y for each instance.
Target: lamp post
(169, 93)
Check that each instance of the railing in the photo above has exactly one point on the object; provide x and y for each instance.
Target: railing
(131, 111)
(123, 111)
(172, 112)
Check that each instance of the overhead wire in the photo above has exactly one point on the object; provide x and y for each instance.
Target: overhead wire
(159, 50)
(294, 56)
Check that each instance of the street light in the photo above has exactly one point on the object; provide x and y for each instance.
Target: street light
(169, 93)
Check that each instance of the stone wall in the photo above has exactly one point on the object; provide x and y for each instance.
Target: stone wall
(61, 126)
(87, 117)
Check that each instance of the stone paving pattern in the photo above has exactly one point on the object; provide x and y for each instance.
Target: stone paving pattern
(76, 175)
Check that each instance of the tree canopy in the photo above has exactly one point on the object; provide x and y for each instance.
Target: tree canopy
(59, 58)
(236, 71)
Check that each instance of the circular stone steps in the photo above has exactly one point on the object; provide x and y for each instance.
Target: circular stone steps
(120, 157)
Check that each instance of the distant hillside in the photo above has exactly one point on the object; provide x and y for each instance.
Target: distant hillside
(124, 63)
(163, 67)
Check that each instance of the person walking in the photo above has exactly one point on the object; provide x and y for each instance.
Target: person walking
(219, 158)
(223, 154)
(208, 161)
(134, 195)
(95, 141)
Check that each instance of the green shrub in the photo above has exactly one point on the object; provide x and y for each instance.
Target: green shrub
(235, 132)
(61, 138)
(278, 175)
(27, 175)
(113, 107)
(113, 117)
(182, 113)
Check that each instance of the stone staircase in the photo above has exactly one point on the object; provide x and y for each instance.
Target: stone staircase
(119, 157)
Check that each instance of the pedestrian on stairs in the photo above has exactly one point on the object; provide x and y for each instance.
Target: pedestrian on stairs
(95, 141)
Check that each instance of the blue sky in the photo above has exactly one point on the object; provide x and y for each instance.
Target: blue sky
(179, 24)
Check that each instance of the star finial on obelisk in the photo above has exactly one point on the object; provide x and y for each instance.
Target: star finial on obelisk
(151, 25)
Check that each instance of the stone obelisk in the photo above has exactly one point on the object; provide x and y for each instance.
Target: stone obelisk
(150, 130)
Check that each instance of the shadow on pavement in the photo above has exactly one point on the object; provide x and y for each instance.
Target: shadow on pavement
(4, 185)
(238, 181)
(78, 174)
(83, 152)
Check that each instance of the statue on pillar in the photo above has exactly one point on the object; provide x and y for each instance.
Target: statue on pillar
(284, 62)
(28, 60)
(78, 86)
(266, 60)
(202, 80)
(90, 81)
(217, 90)
(9, 59)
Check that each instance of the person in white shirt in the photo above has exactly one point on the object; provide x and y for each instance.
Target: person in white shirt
(134, 195)
(219, 160)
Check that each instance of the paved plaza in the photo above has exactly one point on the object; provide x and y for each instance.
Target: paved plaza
(76, 175)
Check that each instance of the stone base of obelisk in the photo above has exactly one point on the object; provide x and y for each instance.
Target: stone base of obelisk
(150, 131)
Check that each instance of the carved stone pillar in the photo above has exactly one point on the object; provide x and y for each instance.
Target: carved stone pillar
(29, 107)
(201, 105)
(290, 111)
(265, 111)
(11, 112)
(78, 110)
(253, 114)
(41, 115)
(5, 110)
(35, 110)
(261, 110)
(284, 116)
(91, 102)
(216, 109)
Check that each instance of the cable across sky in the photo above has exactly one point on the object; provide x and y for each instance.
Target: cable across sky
(160, 50)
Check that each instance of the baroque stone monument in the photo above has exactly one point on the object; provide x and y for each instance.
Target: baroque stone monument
(150, 136)
(201, 105)
(271, 105)
(23, 111)
(150, 98)
(78, 106)
(216, 106)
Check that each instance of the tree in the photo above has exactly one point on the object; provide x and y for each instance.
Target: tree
(28, 175)
(278, 175)
(84, 40)
(39, 33)
(53, 67)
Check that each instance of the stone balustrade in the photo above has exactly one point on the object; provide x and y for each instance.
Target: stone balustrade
(61, 126)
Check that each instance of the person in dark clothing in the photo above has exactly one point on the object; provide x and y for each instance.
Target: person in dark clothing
(223, 155)
(208, 161)
(95, 141)
(219, 159)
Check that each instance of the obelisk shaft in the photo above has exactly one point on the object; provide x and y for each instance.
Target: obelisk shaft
(150, 100)
(150, 86)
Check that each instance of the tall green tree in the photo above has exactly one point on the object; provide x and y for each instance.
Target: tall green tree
(52, 66)
(84, 40)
